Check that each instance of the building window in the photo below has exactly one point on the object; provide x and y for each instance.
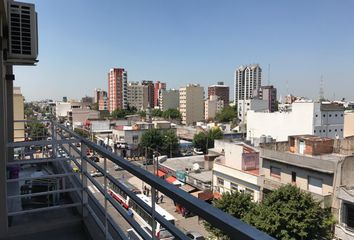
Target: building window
(275, 172)
(336, 115)
(330, 130)
(315, 185)
(221, 181)
(314, 131)
(341, 130)
(293, 177)
(330, 115)
(250, 191)
(335, 130)
(234, 187)
(349, 221)
(341, 115)
(316, 115)
(324, 115)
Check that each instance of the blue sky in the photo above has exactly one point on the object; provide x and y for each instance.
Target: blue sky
(191, 41)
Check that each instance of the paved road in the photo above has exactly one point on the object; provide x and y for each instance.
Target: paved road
(185, 224)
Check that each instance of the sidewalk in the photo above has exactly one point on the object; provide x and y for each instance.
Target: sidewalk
(185, 224)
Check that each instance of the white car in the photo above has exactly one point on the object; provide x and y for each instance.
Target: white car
(198, 151)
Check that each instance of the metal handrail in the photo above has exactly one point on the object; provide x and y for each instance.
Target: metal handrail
(230, 225)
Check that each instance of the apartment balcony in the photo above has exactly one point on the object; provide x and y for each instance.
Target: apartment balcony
(52, 193)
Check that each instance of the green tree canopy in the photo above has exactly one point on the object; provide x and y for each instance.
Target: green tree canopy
(82, 132)
(228, 114)
(236, 204)
(204, 140)
(170, 144)
(37, 131)
(286, 213)
(156, 113)
(290, 213)
(171, 114)
(152, 139)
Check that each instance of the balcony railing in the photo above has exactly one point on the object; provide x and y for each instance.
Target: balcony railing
(53, 171)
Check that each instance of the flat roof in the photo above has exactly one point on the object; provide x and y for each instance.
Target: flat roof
(205, 176)
(181, 163)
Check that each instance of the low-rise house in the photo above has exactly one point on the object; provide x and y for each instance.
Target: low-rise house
(237, 169)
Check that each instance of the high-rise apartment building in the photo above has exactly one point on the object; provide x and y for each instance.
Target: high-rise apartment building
(268, 93)
(247, 79)
(213, 105)
(117, 89)
(151, 91)
(191, 103)
(169, 99)
(102, 101)
(137, 95)
(159, 87)
(220, 90)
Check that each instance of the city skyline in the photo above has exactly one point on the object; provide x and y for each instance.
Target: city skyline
(192, 42)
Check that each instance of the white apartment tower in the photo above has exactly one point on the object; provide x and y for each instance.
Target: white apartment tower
(247, 79)
(191, 104)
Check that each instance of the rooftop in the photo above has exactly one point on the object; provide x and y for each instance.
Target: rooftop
(183, 163)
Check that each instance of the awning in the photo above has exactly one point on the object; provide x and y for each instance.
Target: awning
(160, 173)
(188, 188)
(203, 195)
(171, 179)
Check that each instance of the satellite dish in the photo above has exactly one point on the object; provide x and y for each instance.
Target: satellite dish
(196, 167)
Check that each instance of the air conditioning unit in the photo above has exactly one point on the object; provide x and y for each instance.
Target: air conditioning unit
(23, 34)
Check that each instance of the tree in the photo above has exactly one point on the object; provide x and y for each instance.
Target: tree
(82, 132)
(170, 144)
(227, 114)
(156, 113)
(290, 213)
(142, 113)
(205, 140)
(236, 204)
(119, 113)
(171, 114)
(37, 131)
(152, 139)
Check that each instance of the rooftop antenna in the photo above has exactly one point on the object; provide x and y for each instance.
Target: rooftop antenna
(321, 89)
(268, 74)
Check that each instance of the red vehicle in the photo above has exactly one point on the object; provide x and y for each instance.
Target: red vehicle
(119, 195)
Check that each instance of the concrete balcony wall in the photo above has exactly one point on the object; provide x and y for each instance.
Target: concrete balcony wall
(319, 163)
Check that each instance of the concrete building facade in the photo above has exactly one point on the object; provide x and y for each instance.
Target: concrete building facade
(151, 91)
(137, 95)
(237, 169)
(191, 104)
(19, 115)
(269, 94)
(117, 89)
(212, 106)
(246, 80)
(254, 104)
(220, 90)
(169, 99)
(348, 124)
(316, 165)
(304, 117)
(158, 88)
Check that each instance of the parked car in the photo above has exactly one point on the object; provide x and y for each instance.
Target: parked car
(117, 168)
(198, 151)
(94, 158)
(195, 235)
(97, 173)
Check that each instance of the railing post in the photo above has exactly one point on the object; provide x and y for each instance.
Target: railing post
(105, 199)
(84, 180)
